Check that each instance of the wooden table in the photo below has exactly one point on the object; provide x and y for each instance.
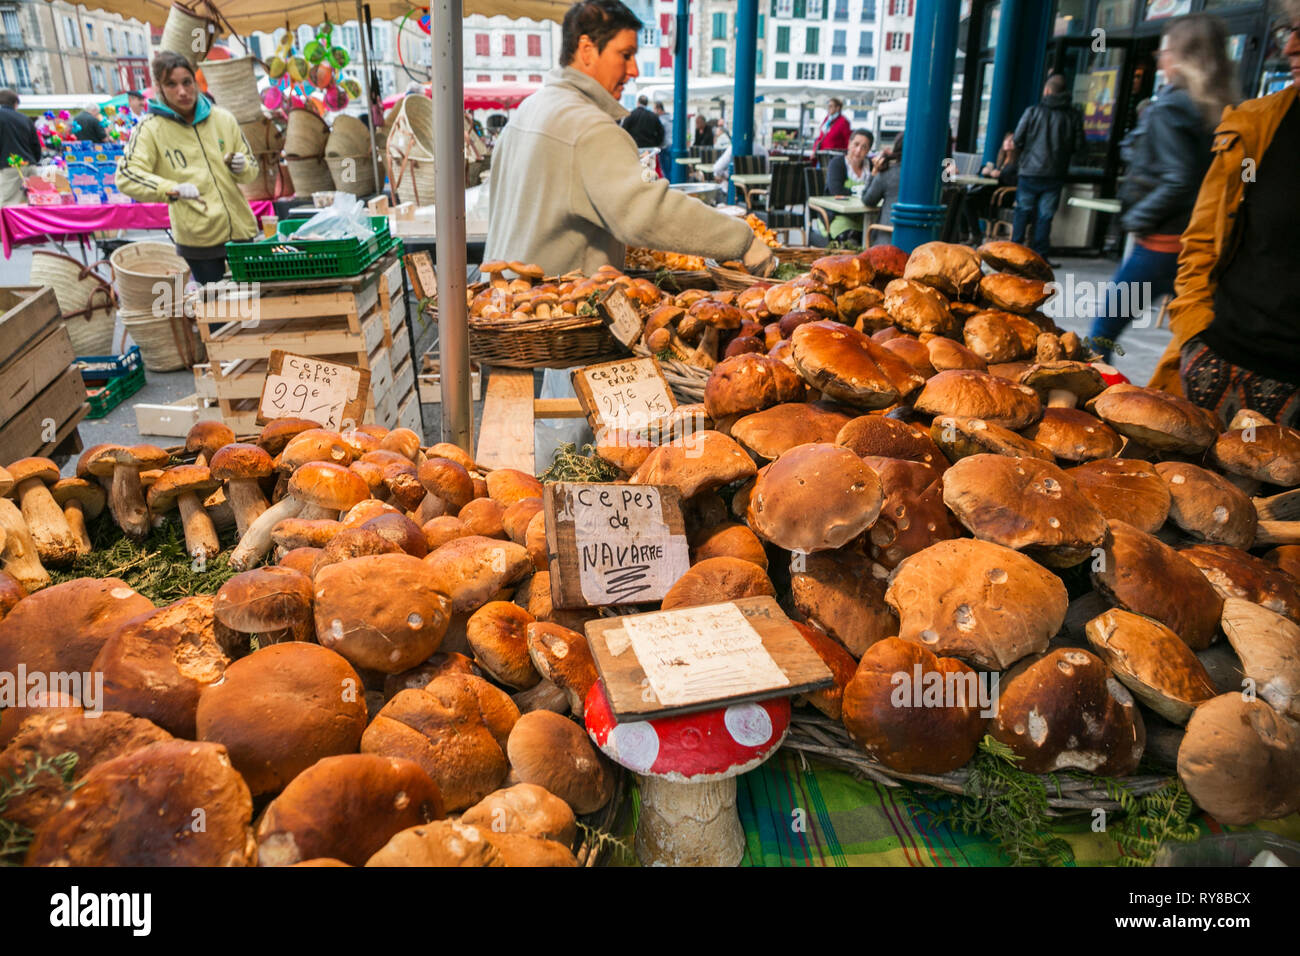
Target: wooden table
(509, 417)
(749, 180)
(688, 160)
(839, 205)
(974, 181)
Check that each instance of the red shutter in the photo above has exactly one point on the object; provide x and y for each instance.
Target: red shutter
(481, 44)
(911, 8)
(534, 45)
(665, 22)
(895, 74)
(665, 58)
(484, 78)
(534, 78)
(508, 45)
(907, 42)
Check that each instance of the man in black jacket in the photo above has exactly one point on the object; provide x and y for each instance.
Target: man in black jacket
(17, 138)
(643, 126)
(1047, 137)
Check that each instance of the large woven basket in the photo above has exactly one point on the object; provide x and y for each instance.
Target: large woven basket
(188, 33)
(352, 174)
(410, 151)
(149, 277)
(167, 343)
(85, 298)
(305, 135)
(309, 176)
(739, 280)
(541, 343)
(265, 140)
(234, 87)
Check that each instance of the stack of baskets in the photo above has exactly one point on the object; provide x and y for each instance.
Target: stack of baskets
(185, 30)
(150, 280)
(304, 151)
(266, 140)
(85, 298)
(410, 151)
(348, 156)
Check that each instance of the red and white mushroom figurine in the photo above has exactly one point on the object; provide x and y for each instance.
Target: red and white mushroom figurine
(686, 767)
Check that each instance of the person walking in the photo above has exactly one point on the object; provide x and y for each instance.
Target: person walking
(192, 155)
(17, 138)
(703, 131)
(834, 132)
(643, 126)
(1167, 155)
(1046, 138)
(882, 187)
(666, 121)
(1236, 316)
(844, 175)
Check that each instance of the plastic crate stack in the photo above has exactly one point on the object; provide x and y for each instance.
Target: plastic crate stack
(110, 379)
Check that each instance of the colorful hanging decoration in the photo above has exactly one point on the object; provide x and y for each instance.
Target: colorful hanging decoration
(309, 78)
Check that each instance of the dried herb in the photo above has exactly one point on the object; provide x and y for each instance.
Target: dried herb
(15, 837)
(570, 464)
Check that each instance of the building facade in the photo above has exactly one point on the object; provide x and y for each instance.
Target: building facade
(57, 48)
(498, 49)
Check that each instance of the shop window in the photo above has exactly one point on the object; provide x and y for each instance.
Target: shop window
(1071, 18)
(1163, 9)
(1114, 14)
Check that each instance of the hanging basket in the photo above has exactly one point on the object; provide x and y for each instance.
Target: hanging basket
(85, 298)
(188, 33)
(265, 140)
(305, 135)
(410, 151)
(234, 87)
(348, 137)
(167, 343)
(309, 176)
(150, 277)
(352, 174)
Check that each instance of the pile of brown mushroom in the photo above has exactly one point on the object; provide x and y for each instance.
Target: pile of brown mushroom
(530, 295)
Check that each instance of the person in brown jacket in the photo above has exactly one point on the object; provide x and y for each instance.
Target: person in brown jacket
(1236, 315)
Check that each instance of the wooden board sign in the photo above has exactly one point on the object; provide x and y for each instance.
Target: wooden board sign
(629, 393)
(617, 311)
(298, 386)
(613, 543)
(701, 658)
(419, 267)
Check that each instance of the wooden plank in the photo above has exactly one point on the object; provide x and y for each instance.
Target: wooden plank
(631, 692)
(628, 393)
(613, 544)
(299, 336)
(404, 379)
(557, 408)
(506, 433)
(29, 372)
(28, 311)
(409, 415)
(66, 440)
(25, 432)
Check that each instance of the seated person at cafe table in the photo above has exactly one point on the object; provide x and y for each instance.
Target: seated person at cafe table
(848, 175)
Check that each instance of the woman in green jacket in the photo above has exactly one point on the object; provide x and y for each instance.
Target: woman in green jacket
(192, 155)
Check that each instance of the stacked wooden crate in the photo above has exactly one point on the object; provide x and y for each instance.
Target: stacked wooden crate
(359, 321)
(42, 396)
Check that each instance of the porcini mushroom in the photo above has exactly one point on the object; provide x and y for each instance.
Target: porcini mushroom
(181, 487)
(241, 466)
(318, 489)
(126, 497)
(55, 542)
(21, 560)
(80, 499)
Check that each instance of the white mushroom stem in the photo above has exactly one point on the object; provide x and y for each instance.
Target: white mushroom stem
(76, 518)
(20, 557)
(217, 505)
(689, 824)
(542, 696)
(1274, 533)
(55, 542)
(312, 512)
(126, 501)
(256, 542)
(200, 533)
(431, 507)
(1061, 398)
(247, 501)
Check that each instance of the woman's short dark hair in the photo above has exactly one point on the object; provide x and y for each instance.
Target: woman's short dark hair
(602, 20)
(863, 132)
(164, 63)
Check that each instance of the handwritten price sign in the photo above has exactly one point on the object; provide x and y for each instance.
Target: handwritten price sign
(299, 386)
(626, 394)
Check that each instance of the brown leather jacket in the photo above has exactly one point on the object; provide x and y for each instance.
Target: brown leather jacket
(1210, 239)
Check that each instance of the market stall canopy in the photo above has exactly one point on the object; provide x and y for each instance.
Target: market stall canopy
(247, 16)
(486, 96)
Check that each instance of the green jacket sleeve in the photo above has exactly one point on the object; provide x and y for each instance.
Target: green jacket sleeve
(136, 170)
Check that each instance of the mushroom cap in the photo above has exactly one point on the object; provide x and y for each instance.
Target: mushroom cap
(277, 433)
(403, 441)
(1013, 258)
(90, 494)
(312, 445)
(509, 485)
(25, 469)
(443, 843)
(6, 481)
(563, 657)
(1155, 418)
(998, 336)
(854, 302)
(363, 511)
(774, 431)
(208, 436)
(829, 700)
(495, 267)
(911, 351)
(749, 382)
(472, 569)
(372, 475)
(690, 748)
(1124, 488)
(815, 497)
(483, 516)
(263, 600)
(497, 633)
(843, 594)
(236, 460)
(918, 308)
(717, 579)
(403, 485)
(1014, 293)
(1079, 378)
(888, 261)
(730, 539)
(1074, 435)
(846, 365)
(328, 486)
(518, 516)
(696, 464)
(1142, 574)
(438, 531)
(1272, 454)
(63, 627)
(527, 270)
(842, 271)
(528, 809)
(1268, 645)
(359, 442)
(1064, 710)
(400, 530)
(1152, 662)
(978, 601)
(91, 454)
(911, 739)
(302, 560)
(1025, 504)
(962, 437)
(351, 543)
(291, 533)
(1240, 760)
(1207, 505)
(717, 314)
(553, 752)
(913, 515)
(971, 394)
(180, 480)
(1238, 575)
(879, 436)
(951, 268)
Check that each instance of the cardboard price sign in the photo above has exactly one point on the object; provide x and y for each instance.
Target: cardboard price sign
(612, 543)
(700, 658)
(629, 393)
(622, 317)
(419, 266)
(298, 386)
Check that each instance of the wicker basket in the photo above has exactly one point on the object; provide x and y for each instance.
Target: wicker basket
(739, 280)
(305, 135)
(410, 151)
(149, 277)
(265, 140)
(185, 31)
(85, 298)
(541, 343)
(686, 381)
(234, 87)
(309, 176)
(675, 281)
(167, 343)
(352, 174)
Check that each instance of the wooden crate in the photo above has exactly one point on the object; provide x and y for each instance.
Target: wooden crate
(431, 381)
(42, 396)
(29, 431)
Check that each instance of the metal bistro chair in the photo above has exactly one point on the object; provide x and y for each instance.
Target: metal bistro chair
(1002, 207)
(747, 166)
(814, 184)
(785, 194)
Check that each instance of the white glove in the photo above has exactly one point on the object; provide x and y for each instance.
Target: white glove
(759, 260)
(187, 191)
(238, 163)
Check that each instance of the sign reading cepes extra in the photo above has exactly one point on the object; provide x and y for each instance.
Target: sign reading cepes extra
(298, 386)
(627, 394)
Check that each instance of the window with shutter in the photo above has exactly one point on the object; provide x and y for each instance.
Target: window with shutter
(508, 45)
(719, 59)
(907, 42)
(719, 26)
(895, 74)
(481, 44)
(782, 39)
(534, 45)
(811, 40)
(783, 71)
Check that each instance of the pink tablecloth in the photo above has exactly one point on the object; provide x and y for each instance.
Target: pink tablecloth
(22, 225)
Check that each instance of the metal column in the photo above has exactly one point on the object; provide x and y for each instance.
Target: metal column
(742, 117)
(449, 163)
(363, 31)
(918, 215)
(1000, 117)
(681, 46)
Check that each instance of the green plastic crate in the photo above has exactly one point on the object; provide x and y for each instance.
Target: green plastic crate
(113, 393)
(257, 260)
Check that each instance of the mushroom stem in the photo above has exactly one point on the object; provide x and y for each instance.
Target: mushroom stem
(247, 501)
(1273, 533)
(542, 696)
(431, 507)
(76, 518)
(256, 541)
(200, 532)
(1061, 398)
(126, 501)
(20, 557)
(689, 824)
(55, 542)
(706, 356)
(313, 512)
